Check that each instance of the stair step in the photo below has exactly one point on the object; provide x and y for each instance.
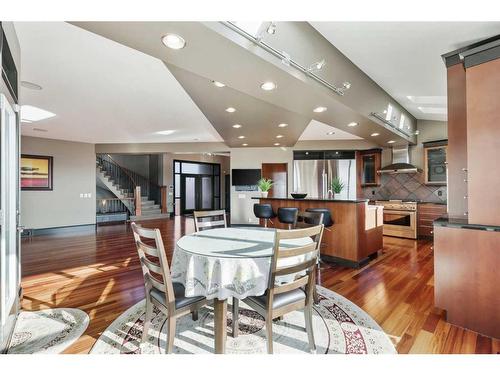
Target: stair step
(149, 217)
(147, 203)
(152, 207)
(151, 212)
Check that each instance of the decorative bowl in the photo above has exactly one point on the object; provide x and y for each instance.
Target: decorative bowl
(298, 195)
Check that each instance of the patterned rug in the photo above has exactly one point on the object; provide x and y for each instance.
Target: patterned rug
(47, 331)
(339, 327)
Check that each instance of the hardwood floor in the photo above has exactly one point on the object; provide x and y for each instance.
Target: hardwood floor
(98, 272)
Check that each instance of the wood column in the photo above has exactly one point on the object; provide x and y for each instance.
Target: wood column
(138, 201)
(163, 197)
(278, 172)
(457, 141)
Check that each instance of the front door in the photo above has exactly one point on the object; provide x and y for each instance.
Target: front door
(197, 193)
(10, 269)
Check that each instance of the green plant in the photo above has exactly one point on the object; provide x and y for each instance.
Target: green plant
(265, 184)
(337, 185)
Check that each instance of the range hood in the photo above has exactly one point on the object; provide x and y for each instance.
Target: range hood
(400, 162)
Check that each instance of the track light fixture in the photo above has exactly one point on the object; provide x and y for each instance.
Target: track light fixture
(271, 29)
(317, 66)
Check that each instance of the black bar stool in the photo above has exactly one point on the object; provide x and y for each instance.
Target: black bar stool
(327, 220)
(264, 211)
(288, 215)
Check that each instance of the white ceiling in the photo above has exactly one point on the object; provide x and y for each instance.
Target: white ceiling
(102, 91)
(404, 58)
(318, 131)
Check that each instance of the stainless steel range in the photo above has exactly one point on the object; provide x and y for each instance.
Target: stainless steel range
(400, 218)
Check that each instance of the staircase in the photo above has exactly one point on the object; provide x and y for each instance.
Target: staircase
(123, 184)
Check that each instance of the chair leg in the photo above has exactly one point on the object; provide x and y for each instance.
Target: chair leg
(194, 315)
(171, 322)
(236, 314)
(309, 328)
(269, 334)
(147, 320)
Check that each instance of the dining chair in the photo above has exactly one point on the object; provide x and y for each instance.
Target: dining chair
(161, 291)
(281, 298)
(307, 219)
(215, 219)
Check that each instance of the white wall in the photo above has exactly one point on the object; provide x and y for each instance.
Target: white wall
(74, 173)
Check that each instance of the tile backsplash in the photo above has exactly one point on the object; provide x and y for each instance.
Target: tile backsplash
(405, 186)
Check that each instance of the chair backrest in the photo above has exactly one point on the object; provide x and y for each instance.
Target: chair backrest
(209, 220)
(154, 262)
(309, 219)
(309, 252)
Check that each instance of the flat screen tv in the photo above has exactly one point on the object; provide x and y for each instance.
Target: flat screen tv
(245, 177)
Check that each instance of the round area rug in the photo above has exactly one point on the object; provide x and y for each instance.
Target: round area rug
(339, 327)
(47, 331)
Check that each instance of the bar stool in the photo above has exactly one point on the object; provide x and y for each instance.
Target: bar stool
(327, 216)
(264, 211)
(288, 215)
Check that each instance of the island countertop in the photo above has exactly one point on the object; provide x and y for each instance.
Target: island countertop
(359, 200)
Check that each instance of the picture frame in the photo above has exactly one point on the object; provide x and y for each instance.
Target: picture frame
(36, 172)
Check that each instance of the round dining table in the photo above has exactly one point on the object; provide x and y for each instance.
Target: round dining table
(227, 262)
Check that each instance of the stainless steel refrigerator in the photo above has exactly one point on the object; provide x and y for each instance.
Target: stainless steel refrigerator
(314, 177)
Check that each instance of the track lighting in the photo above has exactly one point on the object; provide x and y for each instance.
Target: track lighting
(271, 28)
(317, 66)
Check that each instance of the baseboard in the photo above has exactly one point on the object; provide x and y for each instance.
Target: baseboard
(70, 229)
(244, 225)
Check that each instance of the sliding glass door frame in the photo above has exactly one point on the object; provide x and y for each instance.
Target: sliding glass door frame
(10, 241)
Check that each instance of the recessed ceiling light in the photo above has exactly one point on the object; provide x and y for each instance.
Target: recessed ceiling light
(173, 41)
(268, 86)
(279, 136)
(319, 109)
(374, 134)
(245, 144)
(218, 84)
(32, 114)
(282, 125)
(236, 126)
(31, 85)
(230, 109)
(391, 141)
(276, 144)
(352, 124)
(165, 132)
(241, 137)
(330, 133)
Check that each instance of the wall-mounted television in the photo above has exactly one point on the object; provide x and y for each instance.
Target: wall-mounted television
(245, 177)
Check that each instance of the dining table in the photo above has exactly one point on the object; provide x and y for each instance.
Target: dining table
(227, 263)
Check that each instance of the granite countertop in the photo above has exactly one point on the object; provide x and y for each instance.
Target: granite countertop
(463, 223)
(359, 200)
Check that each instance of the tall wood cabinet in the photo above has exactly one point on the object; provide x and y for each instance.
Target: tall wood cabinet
(467, 243)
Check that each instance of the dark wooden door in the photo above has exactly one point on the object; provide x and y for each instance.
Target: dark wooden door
(278, 172)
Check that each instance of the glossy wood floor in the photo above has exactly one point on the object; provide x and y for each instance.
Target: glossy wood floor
(98, 272)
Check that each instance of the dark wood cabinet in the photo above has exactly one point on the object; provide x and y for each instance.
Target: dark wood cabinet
(426, 214)
(435, 162)
(278, 172)
(370, 163)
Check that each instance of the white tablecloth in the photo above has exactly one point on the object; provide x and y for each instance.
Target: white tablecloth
(227, 262)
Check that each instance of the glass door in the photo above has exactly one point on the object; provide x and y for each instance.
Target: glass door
(197, 193)
(10, 270)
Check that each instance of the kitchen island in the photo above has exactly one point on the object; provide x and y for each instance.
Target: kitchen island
(356, 235)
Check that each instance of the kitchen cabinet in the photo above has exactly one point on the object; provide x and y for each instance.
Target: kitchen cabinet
(435, 162)
(370, 162)
(426, 214)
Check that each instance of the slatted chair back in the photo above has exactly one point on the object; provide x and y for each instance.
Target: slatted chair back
(309, 219)
(154, 262)
(204, 220)
(309, 252)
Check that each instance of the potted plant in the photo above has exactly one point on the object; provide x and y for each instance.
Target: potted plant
(337, 186)
(265, 185)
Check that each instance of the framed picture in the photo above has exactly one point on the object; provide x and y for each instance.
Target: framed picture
(36, 172)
